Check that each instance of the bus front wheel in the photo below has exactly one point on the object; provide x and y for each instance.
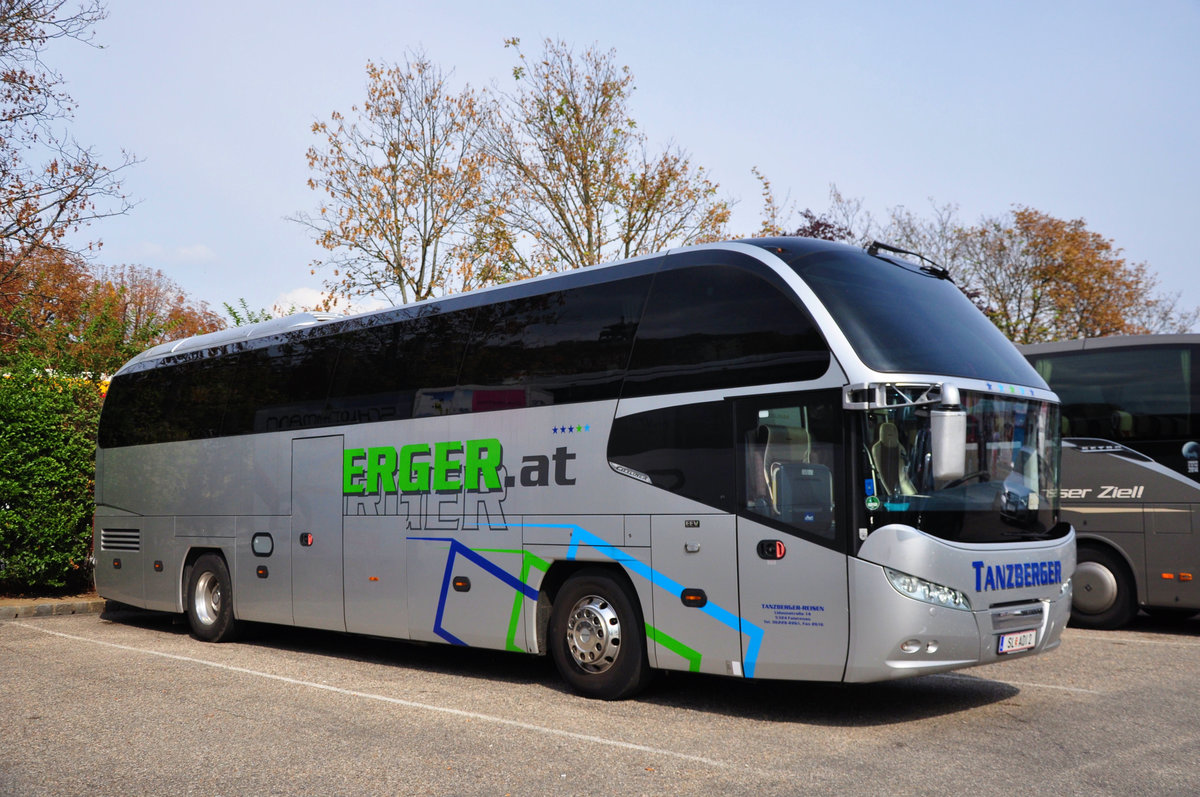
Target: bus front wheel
(210, 600)
(1104, 594)
(596, 637)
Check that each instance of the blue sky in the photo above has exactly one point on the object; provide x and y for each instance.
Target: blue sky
(1079, 109)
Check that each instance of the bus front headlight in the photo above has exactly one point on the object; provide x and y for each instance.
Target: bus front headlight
(927, 591)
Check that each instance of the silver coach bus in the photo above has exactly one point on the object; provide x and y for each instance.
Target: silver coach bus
(778, 458)
(1131, 471)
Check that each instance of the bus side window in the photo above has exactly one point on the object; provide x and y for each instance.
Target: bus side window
(710, 326)
(686, 450)
(789, 464)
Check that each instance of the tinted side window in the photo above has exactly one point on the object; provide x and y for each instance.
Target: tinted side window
(1136, 394)
(556, 348)
(196, 395)
(687, 450)
(709, 327)
(134, 410)
(184, 401)
(401, 370)
(282, 386)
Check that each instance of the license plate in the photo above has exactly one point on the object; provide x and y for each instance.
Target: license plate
(1018, 640)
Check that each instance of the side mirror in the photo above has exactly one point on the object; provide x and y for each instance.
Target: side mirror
(948, 428)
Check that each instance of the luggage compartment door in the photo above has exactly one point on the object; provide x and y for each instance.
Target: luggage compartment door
(316, 540)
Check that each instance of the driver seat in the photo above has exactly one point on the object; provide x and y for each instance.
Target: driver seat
(890, 461)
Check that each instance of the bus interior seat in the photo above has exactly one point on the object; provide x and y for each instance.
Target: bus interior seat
(805, 497)
(1122, 423)
(891, 461)
(757, 484)
(786, 445)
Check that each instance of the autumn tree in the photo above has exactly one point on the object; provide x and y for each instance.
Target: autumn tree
(401, 181)
(242, 314)
(50, 185)
(1041, 278)
(1162, 313)
(577, 182)
(80, 319)
(779, 218)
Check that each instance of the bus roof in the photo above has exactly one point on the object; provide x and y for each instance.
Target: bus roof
(545, 283)
(1108, 342)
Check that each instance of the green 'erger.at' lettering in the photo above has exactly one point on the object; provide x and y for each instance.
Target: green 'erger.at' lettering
(419, 468)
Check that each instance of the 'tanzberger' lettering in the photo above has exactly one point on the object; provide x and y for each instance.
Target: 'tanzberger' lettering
(1019, 574)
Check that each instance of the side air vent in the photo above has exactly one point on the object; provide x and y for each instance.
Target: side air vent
(120, 539)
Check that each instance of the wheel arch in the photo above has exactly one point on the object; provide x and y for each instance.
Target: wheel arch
(189, 561)
(560, 572)
(1095, 542)
(1105, 596)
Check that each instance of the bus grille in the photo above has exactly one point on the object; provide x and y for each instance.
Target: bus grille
(120, 539)
(1017, 616)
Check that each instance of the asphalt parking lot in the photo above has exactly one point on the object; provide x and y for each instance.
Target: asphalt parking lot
(129, 703)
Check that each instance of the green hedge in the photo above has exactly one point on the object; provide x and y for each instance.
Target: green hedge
(47, 466)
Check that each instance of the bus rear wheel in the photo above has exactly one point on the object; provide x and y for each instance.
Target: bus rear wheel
(596, 637)
(210, 600)
(1104, 595)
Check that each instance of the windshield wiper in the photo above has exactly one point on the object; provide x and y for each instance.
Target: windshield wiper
(930, 266)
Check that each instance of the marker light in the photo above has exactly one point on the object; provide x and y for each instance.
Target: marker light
(927, 591)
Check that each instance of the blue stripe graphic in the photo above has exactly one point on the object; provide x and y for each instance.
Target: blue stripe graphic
(580, 535)
(457, 549)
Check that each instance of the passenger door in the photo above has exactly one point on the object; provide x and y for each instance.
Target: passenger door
(791, 536)
(316, 539)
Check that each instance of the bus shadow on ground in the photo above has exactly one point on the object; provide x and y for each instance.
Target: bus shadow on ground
(810, 703)
(832, 704)
(1176, 623)
(115, 612)
(803, 702)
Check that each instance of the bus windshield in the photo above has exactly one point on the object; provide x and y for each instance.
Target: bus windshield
(876, 300)
(1008, 489)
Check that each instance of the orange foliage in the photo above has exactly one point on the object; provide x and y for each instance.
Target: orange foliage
(83, 319)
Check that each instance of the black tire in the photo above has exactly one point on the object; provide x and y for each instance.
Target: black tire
(210, 600)
(597, 638)
(1104, 593)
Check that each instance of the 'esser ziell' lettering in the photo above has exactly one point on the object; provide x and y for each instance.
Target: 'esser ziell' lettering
(1018, 574)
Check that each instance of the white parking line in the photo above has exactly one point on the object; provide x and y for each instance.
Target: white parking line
(393, 700)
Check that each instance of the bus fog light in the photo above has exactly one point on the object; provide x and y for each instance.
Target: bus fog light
(910, 645)
(927, 591)
(932, 647)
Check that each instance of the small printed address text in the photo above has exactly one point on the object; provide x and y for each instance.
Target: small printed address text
(794, 614)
